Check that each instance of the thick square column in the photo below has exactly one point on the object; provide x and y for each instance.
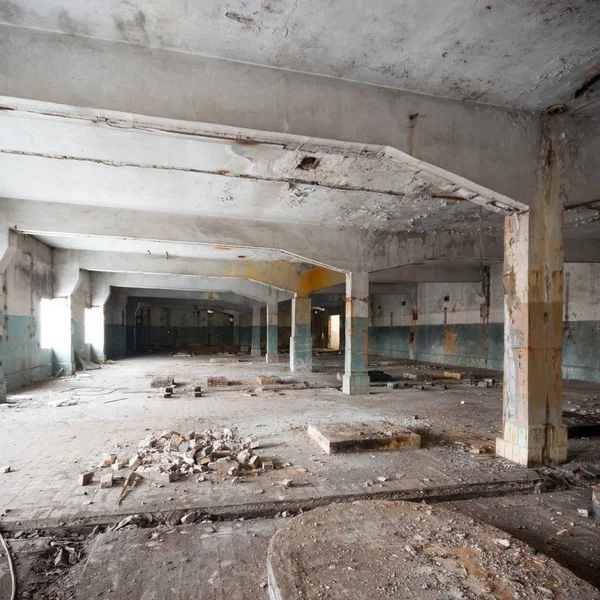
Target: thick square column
(245, 329)
(255, 332)
(533, 432)
(272, 332)
(236, 329)
(301, 340)
(356, 378)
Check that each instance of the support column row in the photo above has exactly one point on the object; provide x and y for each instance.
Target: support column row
(356, 377)
(301, 339)
(272, 332)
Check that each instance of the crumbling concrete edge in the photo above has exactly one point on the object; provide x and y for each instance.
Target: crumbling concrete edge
(262, 510)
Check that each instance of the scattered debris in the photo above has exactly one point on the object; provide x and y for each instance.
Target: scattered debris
(165, 458)
(86, 365)
(64, 402)
(583, 512)
(217, 382)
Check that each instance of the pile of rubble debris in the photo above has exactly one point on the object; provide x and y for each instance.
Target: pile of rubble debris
(166, 457)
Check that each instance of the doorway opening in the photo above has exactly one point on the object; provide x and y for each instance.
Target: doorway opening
(333, 339)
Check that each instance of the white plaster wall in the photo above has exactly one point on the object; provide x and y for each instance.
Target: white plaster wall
(387, 309)
(463, 306)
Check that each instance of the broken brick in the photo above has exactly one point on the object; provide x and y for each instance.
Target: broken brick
(86, 478)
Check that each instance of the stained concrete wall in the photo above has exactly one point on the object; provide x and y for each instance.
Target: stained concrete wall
(451, 325)
(27, 279)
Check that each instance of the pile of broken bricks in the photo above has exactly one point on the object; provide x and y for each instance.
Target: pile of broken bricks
(171, 455)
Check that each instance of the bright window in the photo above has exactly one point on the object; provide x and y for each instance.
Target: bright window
(51, 324)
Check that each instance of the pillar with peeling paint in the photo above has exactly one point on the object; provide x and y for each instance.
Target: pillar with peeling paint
(272, 332)
(255, 331)
(533, 432)
(301, 340)
(356, 378)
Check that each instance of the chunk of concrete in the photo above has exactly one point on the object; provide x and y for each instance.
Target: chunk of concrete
(596, 502)
(162, 382)
(5, 469)
(457, 375)
(106, 481)
(267, 380)
(415, 376)
(318, 551)
(217, 382)
(135, 462)
(86, 478)
(188, 518)
(336, 438)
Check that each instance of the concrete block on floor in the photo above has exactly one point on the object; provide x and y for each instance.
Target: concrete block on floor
(416, 376)
(86, 478)
(162, 382)
(217, 382)
(106, 481)
(457, 375)
(267, 380)
(336, 438)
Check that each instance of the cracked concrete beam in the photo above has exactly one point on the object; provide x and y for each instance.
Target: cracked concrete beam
(252, 289)
(279, 274)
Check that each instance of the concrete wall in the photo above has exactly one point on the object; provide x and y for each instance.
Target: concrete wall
(27, 279)
(456, 331)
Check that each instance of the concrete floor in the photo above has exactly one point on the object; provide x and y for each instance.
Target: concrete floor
(116, 407)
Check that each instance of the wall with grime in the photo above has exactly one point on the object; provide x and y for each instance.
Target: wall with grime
(27, 279)
(462, 324)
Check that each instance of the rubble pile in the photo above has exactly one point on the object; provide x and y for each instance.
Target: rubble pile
(167, 457)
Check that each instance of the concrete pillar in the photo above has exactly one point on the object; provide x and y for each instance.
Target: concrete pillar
(236, 329)
(95, 322)
(533, 432)
(8, 247)
(301, 340)
(272, 332)
(356, 378)
(245, 328)
(255, 331)
(116, 314)
(66, 280)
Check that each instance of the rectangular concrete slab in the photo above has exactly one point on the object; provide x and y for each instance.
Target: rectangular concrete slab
(336, 438)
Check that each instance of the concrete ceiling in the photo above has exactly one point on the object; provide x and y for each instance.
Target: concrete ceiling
(200, 170)
(521, 53)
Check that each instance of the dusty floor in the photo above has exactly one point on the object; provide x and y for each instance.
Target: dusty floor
(47, 447)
